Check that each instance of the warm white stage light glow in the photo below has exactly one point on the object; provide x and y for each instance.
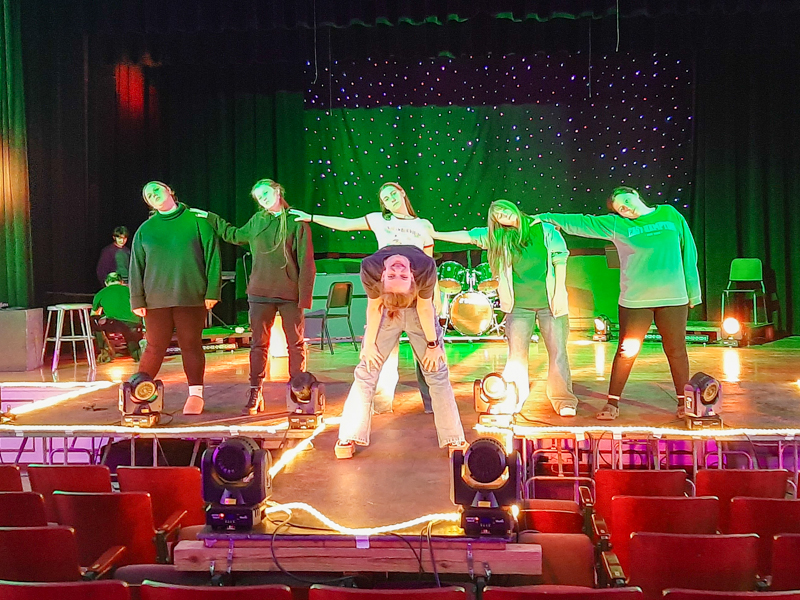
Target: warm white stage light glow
(83, 388)
(730, 365)
(731, 326)
(600, 361)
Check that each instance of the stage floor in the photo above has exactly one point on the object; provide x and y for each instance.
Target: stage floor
(403, 474)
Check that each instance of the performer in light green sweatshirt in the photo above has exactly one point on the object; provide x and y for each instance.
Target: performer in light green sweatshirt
(658, 280)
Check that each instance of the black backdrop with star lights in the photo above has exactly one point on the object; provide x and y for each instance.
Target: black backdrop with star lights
(551, 133)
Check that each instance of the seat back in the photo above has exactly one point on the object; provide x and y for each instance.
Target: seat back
(170, 488)
(340, 295)
(551, 521)
(10, 478)
(567, 558)
(658, 561)
(22, 509)
(727, 483)
(746, 269)
(617, 482)
(659, 514)
(766, 517)
(324, 592)
(103, 520)
(47, 553)
(151, 590)
(678, 594)
(785, 558)
(45, 479)
(560, 592)
(76, 590)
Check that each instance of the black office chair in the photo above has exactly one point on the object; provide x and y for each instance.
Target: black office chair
(340, 296)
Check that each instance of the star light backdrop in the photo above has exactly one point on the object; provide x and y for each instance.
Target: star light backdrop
(459, 133)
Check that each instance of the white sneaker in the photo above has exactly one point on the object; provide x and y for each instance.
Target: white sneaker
(567, 411)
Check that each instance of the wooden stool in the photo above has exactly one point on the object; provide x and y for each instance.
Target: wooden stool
(84, 335)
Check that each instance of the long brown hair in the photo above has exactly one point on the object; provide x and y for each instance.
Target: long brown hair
(387, 214)
(283, 226)
(505, 243)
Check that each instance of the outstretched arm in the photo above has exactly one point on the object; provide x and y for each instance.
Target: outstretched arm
(690, 273)
(456, 237)
(583, 225)
(337, 223)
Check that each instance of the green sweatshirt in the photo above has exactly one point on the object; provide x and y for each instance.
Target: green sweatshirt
(175, 261)
(657, 255)
(279, 275)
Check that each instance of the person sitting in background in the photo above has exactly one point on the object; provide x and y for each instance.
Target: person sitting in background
(112, 309)
(116, 257)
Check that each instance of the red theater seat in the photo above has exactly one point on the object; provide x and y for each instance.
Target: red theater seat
(151, 590)
(617, 482)
(785, 561)
(46, 479)
(659, 514)
(560, 592)
(766, 517)
(659, 561)
(112, 519)
(727, 483)
(79, 590)
(22, 509)
(10, 478)
(324, 592)
(49, 554)
(171, 489)
(567, 558)
(706, 595)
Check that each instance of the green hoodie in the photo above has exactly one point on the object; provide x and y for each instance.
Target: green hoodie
(657, 255)
(175, 261)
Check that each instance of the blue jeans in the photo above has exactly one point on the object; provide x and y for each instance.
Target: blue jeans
(357, 414)
(554, 330)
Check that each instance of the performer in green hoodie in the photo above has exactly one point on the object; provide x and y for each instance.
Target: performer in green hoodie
(174, 280)
(282, 280)
(658, 280)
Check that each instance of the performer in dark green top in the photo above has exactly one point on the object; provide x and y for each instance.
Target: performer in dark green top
(658, 279)
(282, 280)
(174, 280)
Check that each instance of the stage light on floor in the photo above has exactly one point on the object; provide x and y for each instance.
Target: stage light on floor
(141, 400)
(495, 399)
(236, 483)
(486, 483)
(602, 329)
(739, 333)
(305, 401)
(703, 402)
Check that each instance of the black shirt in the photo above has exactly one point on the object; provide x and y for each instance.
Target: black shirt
(422, 267)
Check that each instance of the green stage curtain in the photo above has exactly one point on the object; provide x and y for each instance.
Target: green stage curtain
(15, 233)
(748, 174)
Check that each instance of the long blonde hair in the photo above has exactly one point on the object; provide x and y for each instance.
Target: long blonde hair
(394, 302)
(387, 214)
(283, 226)
(505, 243)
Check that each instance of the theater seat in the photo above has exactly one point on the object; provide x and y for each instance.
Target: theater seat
(567, 558)
(78, 590)
(10, 479)
(22, 509)
(151, 590)
(560, 592)
(324, 592)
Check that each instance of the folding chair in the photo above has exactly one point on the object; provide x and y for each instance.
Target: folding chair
(747, 270)
(340, 297)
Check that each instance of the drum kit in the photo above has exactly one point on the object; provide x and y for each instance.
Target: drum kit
(469, 298)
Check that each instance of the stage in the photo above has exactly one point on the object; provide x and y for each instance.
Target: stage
(403, 475)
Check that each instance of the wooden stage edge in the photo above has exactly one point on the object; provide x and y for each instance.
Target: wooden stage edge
(460, 555)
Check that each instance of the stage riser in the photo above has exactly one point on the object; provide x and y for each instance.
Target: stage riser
(21, 338)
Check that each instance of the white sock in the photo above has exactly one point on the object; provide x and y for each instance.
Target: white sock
(196, 390)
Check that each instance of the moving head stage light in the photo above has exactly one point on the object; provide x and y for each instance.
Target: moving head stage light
(305, 401)
(495, 400)
(141, 401)
(486, 482)
(236, 483)
(702, 402)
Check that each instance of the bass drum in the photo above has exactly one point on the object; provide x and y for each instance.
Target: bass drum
(452, 277)
(471, 313)
(486, 282)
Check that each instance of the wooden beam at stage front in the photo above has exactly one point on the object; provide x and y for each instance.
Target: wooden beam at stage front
(514, 559)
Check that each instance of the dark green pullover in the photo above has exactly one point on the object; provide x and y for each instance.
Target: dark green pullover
(175, 261)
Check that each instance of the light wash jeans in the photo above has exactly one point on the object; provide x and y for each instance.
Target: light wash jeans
(555, 330)
(357, 414)
(387, 382)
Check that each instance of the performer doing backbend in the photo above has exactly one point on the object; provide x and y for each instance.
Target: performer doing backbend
(174, 281)
(282, 280)
(658, 279)
(397, 224)
(399, 281)
(529, 259)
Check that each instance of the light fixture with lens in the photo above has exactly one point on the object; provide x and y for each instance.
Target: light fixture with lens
(703, 402)
(602, 329)
(495, 399)
(141, 400)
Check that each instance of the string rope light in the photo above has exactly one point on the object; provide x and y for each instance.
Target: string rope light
(57, 399)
